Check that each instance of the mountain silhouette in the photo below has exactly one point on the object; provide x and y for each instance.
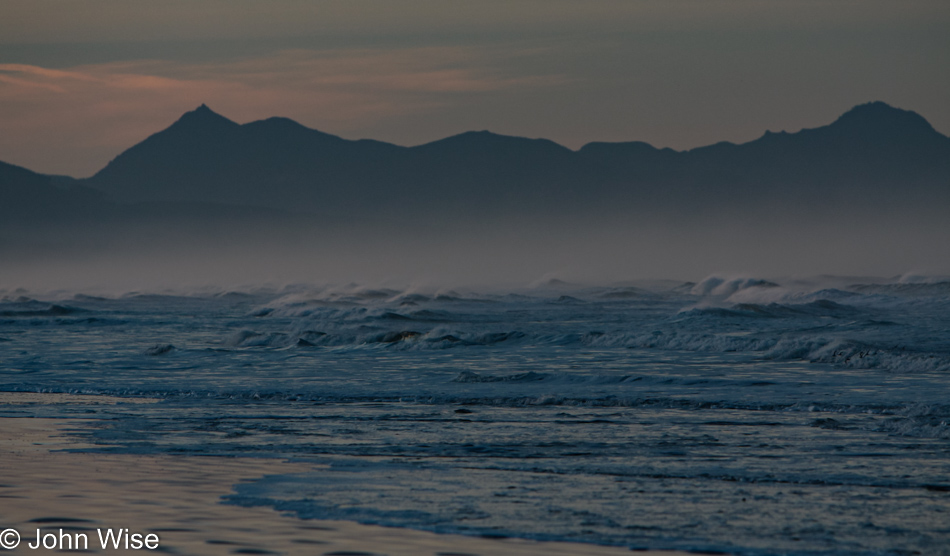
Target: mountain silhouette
(44, 215)
(204, 164)
(27, 195)
(869, 190)
(874, 152)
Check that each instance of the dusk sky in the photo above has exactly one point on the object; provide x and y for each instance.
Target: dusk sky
(80, 81)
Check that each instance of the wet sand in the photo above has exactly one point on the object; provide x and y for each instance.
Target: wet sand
(178, 498)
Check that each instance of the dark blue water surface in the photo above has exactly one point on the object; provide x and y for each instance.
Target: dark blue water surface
(737, 415)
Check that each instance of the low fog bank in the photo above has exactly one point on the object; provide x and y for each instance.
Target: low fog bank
(241, 251)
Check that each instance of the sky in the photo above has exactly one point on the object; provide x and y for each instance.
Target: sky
(82, 80)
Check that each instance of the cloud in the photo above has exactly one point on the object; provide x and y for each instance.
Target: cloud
(73, 121)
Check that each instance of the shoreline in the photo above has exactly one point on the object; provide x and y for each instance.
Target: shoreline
(179, 499)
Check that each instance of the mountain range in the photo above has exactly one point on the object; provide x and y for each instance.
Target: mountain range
(206, 167)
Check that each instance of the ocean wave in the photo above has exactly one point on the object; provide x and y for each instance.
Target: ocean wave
(919, 421)
(725, 287)
(160, 349)
(473, 377)
(906, 420)
(826, 343)
(37, 309)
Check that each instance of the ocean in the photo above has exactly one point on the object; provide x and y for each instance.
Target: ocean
(739, 415)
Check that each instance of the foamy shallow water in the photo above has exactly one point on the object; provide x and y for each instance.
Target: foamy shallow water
(737, 415)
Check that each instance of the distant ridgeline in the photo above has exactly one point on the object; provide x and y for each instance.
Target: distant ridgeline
(206, 165)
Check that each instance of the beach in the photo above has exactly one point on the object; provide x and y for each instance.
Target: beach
(48, 486)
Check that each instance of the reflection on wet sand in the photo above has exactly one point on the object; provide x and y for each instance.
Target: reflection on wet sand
(46, 488)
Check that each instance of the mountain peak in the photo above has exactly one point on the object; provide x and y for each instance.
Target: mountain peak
(486, 140)
(880, 116)
(204, 117)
